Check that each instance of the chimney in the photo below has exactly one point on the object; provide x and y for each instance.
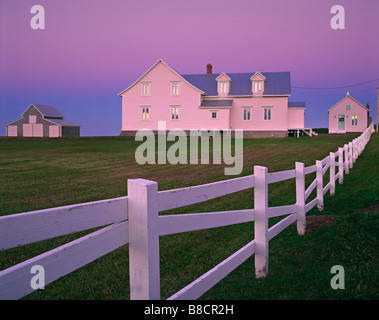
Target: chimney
(209, 68)
(368, 106)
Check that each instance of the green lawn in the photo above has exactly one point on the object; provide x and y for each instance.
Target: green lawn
(43, 173)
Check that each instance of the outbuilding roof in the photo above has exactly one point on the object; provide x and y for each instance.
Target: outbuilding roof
(46, 111)
(63, 122)
(298, 104)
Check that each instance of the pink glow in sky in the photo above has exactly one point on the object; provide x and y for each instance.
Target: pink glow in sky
(93, 49)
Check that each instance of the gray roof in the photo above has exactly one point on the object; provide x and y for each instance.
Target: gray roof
(296, 104)
(63, 123)
(277, 83)
(216, 103)
(48, 111)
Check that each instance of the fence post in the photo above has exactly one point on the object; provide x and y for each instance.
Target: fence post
(320, 186)
(332, 172)
(355, 154)
(300, 197)
(143, 240)
(261, 221)
(351, 155)
(346, 151)
(340, 165)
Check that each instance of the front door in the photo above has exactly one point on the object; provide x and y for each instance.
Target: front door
(341, 122)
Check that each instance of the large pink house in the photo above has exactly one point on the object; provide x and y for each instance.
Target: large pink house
(348, 115)
(255, 102)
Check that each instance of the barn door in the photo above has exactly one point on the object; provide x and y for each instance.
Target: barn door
(53, 131)
(32, 130)
(37, 130)
(27, 130)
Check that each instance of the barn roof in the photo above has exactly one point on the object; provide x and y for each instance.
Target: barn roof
(47, 111)
(63, 122)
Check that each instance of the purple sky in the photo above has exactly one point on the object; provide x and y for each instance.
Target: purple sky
(93, 49)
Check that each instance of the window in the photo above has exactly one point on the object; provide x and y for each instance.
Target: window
(348, 107)
(145, 87)
(246, 113)
(354, 120)
(175, 88)
(174, 112)
(223, 87)
(257, 86)
(32, 119)
(267, 113)
(213, 114)
(145, 113)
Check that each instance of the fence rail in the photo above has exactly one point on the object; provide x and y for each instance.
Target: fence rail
(135, 220)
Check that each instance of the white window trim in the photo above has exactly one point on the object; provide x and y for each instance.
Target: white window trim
(216, 111)
(249, 108)
(267, 108)
(144, 85)
(142, 112)
(257, 86)
(352, 117)
(223, 86)
(174, 107)
(173, 91)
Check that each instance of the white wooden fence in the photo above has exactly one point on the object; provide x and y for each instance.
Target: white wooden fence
(135, 220)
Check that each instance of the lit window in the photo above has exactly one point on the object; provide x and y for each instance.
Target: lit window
(145, 113)
(348, 107)
(354, 120)
(145, 89)
(258, 86)
(246, 113)
(175, 113)
(175, 88)
(214, 114)
(267, 113)
(223, 87)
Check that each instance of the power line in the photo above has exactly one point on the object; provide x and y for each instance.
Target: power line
(342, 87)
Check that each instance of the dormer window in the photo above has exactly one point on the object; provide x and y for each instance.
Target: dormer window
(223, 87)
(223, 84)
(258, 84)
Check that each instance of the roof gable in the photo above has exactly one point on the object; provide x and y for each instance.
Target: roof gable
(223, 77)
(165, 64)
(348, 96)
(46, 111)
(258, 76)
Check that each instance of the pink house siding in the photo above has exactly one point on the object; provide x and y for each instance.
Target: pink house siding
(348, 115)
(295, 118)
(253, 102)
(277, 121)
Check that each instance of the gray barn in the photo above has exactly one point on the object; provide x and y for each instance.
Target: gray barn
(42, 121)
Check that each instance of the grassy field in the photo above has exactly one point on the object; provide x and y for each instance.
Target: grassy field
(42, 173)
